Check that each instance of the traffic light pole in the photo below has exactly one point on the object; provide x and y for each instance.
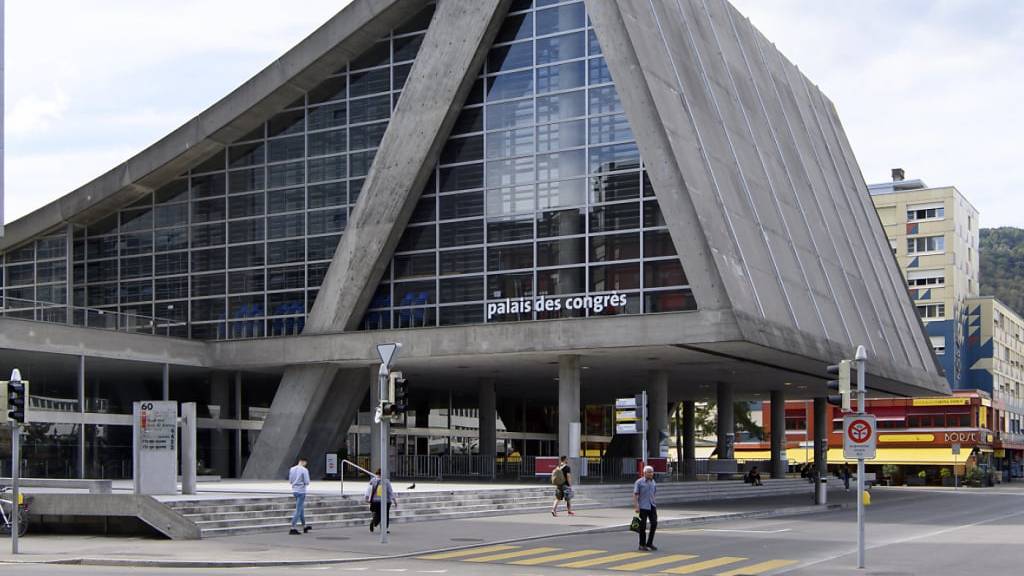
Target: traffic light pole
(382, 482)
(861, 359)
(15, 472)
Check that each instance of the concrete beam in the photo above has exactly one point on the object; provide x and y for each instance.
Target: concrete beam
(334, 417)
(433, 95)
(32, 336)
(439, 82)
(292, 415)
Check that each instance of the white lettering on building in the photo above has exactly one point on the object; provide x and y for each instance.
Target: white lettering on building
(595, 304)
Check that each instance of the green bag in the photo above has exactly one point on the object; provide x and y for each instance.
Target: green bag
(634, 526)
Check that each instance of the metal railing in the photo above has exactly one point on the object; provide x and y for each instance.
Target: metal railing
(341, 472)
(67, 314)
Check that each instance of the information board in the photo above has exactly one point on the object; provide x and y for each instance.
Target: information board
(155, 447)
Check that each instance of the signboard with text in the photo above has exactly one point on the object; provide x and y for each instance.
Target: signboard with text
(859, 436)
(155, 447)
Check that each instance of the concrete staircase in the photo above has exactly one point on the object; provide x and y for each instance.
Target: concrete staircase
(232, 516)
(247, 515)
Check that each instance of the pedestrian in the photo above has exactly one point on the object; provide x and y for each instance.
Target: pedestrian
(561, 477)
(844, 473)
(754, 477)
(374, 492)
(298, 477)
(643, 504)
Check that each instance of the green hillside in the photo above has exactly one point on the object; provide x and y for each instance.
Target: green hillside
(1002, 265)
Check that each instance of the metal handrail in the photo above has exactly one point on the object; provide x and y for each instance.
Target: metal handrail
(341, 475)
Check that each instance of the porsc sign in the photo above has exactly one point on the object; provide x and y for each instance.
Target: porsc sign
(859, 437)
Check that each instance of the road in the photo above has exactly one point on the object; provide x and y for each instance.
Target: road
(910, 532)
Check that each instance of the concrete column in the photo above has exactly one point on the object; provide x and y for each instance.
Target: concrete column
(166, 379)
(820, 436)
(374, 427)
(778, 438)
(237, 415)
(689, 440)
(488, 422)
(81, 410)
(220, 444)
(726, 422)
(568, 403)
(657, 403)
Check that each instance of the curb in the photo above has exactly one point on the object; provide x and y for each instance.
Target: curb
(667, 523)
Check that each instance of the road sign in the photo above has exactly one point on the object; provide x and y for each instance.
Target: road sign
(387, 352)
(629, 415)
(956, 449)
(859, 437)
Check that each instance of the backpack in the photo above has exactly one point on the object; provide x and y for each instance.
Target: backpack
(557, 476)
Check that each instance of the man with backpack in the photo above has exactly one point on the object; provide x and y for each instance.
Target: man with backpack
(561, 477)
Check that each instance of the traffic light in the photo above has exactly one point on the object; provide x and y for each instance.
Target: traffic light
(840, 385)
(398, 392)
(17, 390)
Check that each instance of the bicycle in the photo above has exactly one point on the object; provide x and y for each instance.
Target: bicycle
(7, 516)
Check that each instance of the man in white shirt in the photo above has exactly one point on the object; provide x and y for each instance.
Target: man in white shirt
(298, 477)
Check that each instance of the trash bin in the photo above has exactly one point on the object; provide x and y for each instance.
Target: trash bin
(821, 491)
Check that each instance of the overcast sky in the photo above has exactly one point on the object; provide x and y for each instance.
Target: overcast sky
(933, 87)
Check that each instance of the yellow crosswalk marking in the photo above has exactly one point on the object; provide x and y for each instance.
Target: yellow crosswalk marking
(507, 555)
(656, 561)
(468, 552)
(758, 568)
(556, 557)
(603, 560)
(698, 566)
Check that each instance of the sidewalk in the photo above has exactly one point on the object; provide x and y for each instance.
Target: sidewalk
(350, 544)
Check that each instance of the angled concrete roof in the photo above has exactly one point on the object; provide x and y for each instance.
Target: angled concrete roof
(759, 186)
(339, 40)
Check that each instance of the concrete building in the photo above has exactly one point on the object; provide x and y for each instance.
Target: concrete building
(551, 204)
(934, 235)
(995, 362)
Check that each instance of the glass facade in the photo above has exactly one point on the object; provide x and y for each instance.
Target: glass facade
(238, 246)
(539, 206)
(539, 193)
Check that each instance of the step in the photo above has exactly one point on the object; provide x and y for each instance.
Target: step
(336, 504)
(363, 513)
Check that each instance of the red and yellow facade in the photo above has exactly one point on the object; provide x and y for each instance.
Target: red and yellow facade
(922, 432)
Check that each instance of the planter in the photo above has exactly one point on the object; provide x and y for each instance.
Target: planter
(948, 481)
(915, 481)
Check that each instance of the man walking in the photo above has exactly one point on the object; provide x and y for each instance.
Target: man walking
(561, 477)
(643, 504)
(374, 492)
(298, 477)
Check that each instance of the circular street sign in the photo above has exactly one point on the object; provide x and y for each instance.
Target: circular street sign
(859, 431)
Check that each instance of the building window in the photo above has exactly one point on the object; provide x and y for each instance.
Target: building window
(796, 422)
(926, 244)
(930, 212)
(939, 345)
(926, 278)
(932, 311)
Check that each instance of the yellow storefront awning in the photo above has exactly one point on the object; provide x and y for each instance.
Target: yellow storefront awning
(914, 456)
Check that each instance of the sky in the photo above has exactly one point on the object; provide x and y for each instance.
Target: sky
(933, 87)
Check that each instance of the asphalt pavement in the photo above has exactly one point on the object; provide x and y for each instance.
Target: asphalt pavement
(909, 531)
